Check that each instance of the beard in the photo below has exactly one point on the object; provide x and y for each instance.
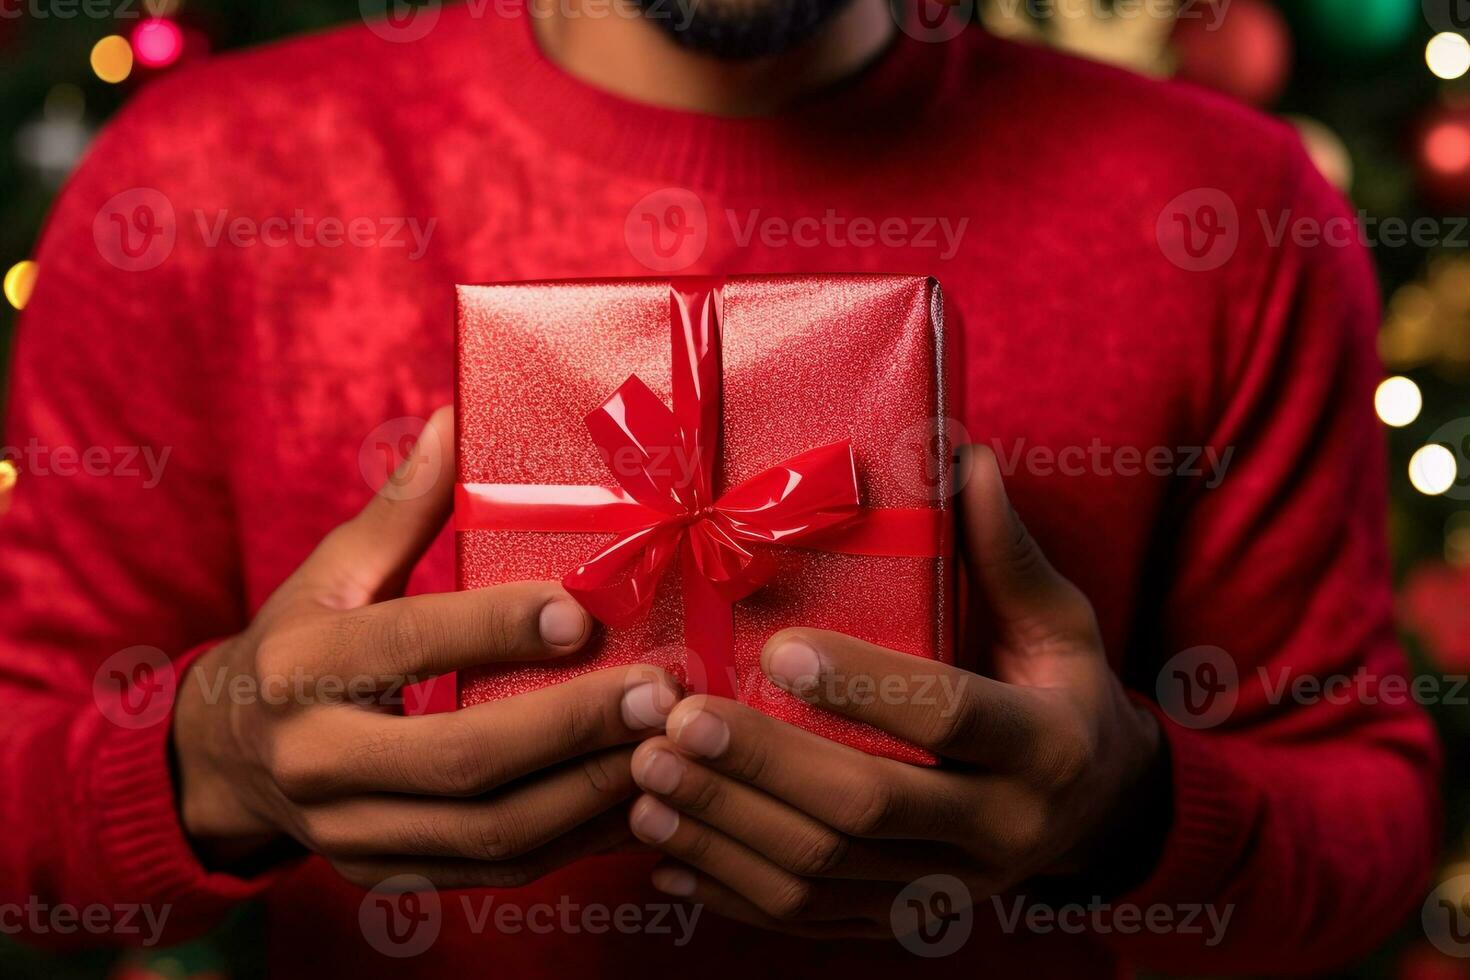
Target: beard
(739, 29)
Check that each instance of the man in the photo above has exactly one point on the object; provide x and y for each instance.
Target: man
(1176, 403)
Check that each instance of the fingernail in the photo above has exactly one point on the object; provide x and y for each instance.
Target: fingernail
(642, 707)
(659, 772)
(652, 821)
(795, 666)
(674, 881)
(562, 623)
(701, 733)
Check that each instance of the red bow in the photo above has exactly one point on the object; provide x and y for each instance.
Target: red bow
(664, 463)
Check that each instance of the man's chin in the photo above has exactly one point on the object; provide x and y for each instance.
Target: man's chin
(740, 29)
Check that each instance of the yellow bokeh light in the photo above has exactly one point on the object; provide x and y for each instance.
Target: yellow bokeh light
(20, 279)
(1398, 401)
(1433, 469)
(1448, 55)
(1457, 539)
(112, 58)
(8, 476)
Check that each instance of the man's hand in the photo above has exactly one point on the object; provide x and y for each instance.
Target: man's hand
(773, 825)
(287, 729)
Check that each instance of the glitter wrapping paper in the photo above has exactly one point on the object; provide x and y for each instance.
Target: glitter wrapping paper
(807, 361)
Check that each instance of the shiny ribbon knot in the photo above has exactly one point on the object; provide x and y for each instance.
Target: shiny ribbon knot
(665, 503)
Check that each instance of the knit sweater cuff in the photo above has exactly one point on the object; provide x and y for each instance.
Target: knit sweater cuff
(1215, 807)
(141, 843)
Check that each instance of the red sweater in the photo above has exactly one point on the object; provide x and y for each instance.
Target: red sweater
(261, 366)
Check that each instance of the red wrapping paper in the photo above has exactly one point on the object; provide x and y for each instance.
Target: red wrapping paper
(803, 367)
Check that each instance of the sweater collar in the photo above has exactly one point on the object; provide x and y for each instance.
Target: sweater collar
(839, 134)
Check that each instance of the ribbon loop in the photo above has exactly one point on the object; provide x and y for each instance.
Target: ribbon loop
(640, 443)
(810, 492)
(617, 585)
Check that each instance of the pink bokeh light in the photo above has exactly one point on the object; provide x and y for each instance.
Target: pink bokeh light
(157, 42)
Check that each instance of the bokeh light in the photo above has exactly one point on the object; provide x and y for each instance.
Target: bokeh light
(1447, 55)
(1457, 539)
(1447, 147)
(20, 279)
(1398, 401)
(1433, 469)
(112, 58)
(157, 42)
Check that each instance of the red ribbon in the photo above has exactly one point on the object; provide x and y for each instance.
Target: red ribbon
(665, 504)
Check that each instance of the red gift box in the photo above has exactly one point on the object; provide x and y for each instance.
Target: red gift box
(704, 463)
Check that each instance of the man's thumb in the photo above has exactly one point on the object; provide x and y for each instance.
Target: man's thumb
(369, 558)
(1008, 569)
